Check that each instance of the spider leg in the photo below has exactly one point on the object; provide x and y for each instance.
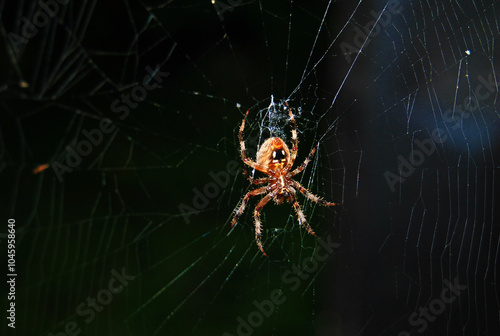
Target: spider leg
(260, 180)
(258, 224)
(255, 181)
(306, 162)
(243, 150)
(244, 202)
(295, 146)
(311, 196)
(302, 217)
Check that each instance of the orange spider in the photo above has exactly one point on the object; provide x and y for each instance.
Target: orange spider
(275, 160)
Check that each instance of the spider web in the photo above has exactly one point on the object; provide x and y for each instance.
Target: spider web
(402, 98)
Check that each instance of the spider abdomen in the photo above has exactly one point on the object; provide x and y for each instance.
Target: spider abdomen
(274, 154)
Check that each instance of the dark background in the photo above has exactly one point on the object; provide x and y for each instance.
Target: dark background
(119, 208)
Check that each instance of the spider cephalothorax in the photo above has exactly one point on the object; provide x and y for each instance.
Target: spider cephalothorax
(275, 159)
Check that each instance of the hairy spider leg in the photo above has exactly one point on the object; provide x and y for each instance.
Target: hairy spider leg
(302, 217)
(260, 180)
(311, 196)
(244, 202)
(258, 224)
(295, 141)
(243, 151)
(305, 163)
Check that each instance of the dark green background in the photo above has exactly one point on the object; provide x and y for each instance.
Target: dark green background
(120, 207)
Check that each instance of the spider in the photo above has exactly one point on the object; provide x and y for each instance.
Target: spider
(275, 159)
